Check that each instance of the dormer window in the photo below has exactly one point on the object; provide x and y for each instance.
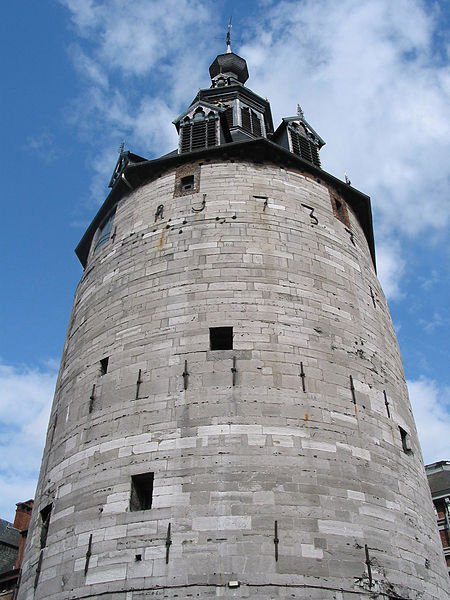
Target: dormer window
(301, 145)
(251, 121)
(198, 132)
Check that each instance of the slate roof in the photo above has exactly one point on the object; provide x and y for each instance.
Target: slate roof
(9, 543)
(439, 478)
(8, 535)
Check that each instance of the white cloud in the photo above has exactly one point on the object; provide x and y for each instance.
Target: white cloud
(137, 38)
(431, 407)
(25, 399)
(391, 267)
(44, 146)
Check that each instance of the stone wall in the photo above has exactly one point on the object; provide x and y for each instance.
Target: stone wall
(314, 445)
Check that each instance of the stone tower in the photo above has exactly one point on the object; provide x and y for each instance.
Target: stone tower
(231, 417)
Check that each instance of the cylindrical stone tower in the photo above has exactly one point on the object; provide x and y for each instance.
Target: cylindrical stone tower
(231, 417)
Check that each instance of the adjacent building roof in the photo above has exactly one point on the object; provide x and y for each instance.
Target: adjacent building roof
(439, 478)
(9, 544)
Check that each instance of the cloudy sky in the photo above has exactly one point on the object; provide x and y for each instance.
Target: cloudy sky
(81, 76)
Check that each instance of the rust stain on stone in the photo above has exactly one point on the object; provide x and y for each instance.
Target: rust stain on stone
(162, 240)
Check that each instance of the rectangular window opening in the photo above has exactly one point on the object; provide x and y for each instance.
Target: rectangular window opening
(104, 365)
(141, 491)
(187, 183)
(406, 445)
(105, 230)
(45, 523)
(221, 338)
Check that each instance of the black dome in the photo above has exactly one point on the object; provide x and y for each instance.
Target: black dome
(229, 63)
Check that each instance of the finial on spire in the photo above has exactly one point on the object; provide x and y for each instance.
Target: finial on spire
(121, 148)
(300, 112)
(229, 37)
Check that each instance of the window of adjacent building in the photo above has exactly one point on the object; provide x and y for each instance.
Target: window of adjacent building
(45, 523)
(104, 365)
(406, 445)
(221, 338)
(251, 121)
(104, 231)
(141, 497)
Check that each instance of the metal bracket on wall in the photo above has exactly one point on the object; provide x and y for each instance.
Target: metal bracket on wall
(276, 540)
(202, 206)
(185, 376)
(352, 387)
(88, 555)
(159, 214)
(386, 403)
(168, 543)
(352, 237)
(312, 216)
(138, 384)
(266, 201)
(368, 565)
(303, 376)
(234, 371)
(38, 568)
(92, 399)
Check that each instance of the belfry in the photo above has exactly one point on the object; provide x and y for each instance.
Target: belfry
(231, 417)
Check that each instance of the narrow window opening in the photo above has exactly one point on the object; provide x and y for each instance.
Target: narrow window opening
(406, 445)
(221, 338)
(104, 365)
(187, 183)
(45, 523)
(105, 231)
(141, 491)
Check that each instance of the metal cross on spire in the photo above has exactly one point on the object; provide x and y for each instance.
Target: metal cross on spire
(229, 37)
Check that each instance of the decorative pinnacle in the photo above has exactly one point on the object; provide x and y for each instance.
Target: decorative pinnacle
(229, 51)
(121, 148)
(300, 112)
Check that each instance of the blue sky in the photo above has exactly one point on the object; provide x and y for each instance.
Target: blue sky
(81, 76)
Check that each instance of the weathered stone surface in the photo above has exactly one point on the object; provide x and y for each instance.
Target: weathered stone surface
(326, 464)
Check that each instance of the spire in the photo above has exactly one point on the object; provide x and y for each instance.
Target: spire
(228, 68)
(229, 51)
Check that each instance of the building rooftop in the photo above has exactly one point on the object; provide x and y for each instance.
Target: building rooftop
(439, 478)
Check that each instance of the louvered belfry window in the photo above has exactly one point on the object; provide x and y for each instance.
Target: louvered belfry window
(304, 147)
(198, 133)
(251, 121)
(229, 116)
